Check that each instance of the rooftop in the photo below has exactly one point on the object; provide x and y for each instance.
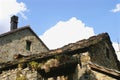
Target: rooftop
(81, 46)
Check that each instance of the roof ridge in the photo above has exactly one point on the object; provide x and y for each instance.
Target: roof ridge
(10, 32)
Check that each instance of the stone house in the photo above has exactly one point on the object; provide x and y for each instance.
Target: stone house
(22, 41)
(88, 59)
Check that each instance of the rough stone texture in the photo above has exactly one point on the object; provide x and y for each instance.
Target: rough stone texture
(15, 74)
(103, 54)
(15, 43)
(99, 47)
(71, 62)
(101, 76)
(86, 73)
(82, 71)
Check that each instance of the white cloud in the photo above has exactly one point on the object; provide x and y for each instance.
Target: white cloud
(7, 9)
(117, 49)
(117, 9)
(65, 32)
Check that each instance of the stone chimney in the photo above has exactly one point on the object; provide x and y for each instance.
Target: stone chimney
(14, 22)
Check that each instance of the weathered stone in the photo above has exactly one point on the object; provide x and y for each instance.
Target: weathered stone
(75, 61)
(14, 42)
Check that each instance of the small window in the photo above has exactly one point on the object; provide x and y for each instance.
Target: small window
(28, 45)
(107, 53)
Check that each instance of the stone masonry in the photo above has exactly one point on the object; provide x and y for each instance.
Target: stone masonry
(89, 59)
(15, 43)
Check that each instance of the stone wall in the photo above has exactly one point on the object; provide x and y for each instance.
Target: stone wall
(84, 73)
(17, 74)
(81, 71)
(27, 74)
(15, 43)
(102, 54)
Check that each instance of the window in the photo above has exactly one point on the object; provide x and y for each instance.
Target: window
(107, 53)
(28, 45)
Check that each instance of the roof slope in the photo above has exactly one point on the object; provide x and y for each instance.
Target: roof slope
(67, 49)
(105, 70)
(83, 44)
(70, 48)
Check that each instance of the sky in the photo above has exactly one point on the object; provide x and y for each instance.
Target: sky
(60, 22)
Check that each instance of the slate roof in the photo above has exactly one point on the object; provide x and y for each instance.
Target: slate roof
(84, 44)
(71, 48)
(81, 45)
(111, 72)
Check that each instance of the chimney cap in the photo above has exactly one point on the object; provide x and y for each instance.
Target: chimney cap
(14, 19)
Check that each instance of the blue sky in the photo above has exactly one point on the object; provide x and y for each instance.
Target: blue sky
(43, 14)
(64, 20)
(60, 22)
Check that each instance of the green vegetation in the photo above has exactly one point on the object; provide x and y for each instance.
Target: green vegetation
(20, 76)
(20, 65)
(34, 65)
